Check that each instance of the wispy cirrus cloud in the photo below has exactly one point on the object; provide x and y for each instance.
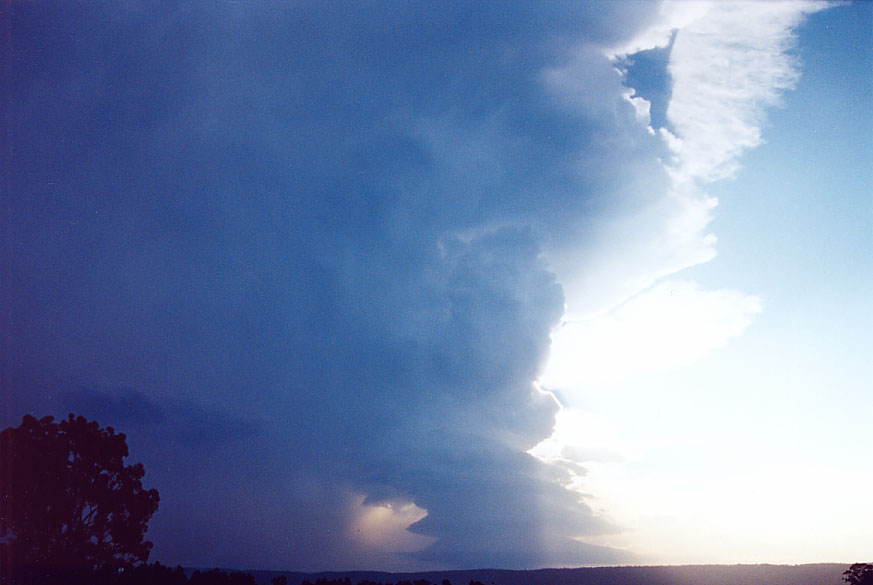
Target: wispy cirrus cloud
(728, 63)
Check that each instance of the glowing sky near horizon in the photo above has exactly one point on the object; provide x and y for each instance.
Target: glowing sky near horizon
(416, 286)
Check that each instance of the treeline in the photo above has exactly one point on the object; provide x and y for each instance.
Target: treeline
(158, 574)
(142, 574)
(347, 581)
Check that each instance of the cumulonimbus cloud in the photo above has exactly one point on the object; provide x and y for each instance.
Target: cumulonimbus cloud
(351, 229)
(326, 223)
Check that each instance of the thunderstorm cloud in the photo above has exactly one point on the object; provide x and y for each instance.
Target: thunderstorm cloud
(309, 257)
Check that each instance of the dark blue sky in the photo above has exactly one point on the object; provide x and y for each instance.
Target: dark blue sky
(295, 253)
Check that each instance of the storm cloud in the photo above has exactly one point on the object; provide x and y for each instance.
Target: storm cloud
(299, 255)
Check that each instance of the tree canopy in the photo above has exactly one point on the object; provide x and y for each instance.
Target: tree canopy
(859, 574)
(68, 501)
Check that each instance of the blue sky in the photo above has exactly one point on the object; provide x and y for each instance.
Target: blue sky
(401, 287)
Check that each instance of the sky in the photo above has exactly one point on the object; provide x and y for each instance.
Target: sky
(412, 286)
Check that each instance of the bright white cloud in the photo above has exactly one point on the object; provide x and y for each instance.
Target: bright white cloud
(642, 108)
(672, 324)
(633, 252)
(727, 66)
(672, 16)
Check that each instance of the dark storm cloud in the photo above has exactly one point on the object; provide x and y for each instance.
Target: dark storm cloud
(124, 406)
(315, 230)
(184, 423)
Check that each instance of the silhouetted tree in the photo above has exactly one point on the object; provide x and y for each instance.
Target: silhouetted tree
(859, 574)
(279, 580)
(151, 574)
(219, 577)
(68, 503)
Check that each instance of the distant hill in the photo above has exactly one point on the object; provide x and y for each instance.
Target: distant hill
(813, 574)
